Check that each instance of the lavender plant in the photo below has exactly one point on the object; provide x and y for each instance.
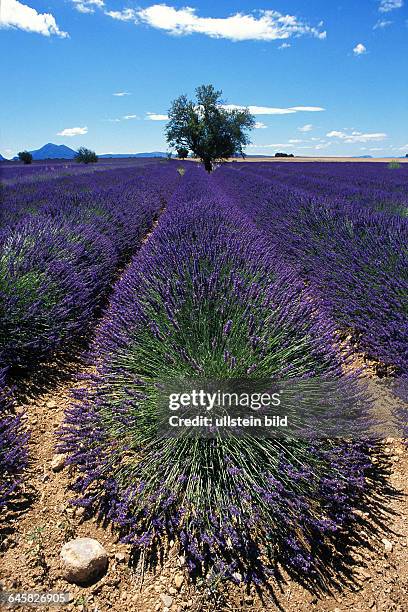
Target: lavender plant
(60, 248)
(354, 255)
(13, 447)
(206, 298)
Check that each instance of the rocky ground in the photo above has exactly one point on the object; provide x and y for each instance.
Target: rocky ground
(374, 561)
(44, 521)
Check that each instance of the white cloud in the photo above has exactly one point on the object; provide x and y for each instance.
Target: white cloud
(75, 131)
(120, 94)
(130, 117)
(284, 46)
(272, 110)
(269, 146)
(390, 5)
(359, 49)
(295, 141)
(259, 125)
(306, 128)
(14, 14)
(381, 24)
(156, 117)
(88, 6)
(260, 110)
(354, 136)
(307, 109)
(268, 25)
(125, 15)
(323, 145)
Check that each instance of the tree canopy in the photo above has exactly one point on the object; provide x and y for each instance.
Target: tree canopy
(211, 130)
(86, 156)
(25, 157)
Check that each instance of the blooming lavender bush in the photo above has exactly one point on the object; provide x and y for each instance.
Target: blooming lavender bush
(60, 250)
(207, 298)
(13, 447)
(354, 255)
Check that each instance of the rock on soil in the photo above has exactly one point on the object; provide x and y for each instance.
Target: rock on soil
(83, 560)
(167, 600)
(58, 463)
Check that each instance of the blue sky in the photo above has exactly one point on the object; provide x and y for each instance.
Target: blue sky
(323, 77)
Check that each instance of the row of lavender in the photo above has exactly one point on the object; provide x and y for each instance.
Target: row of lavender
(13, 446)
(61, 242)
(355, 256)
(374, 185)
(207, 298)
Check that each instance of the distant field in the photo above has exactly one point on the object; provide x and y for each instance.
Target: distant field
(124, 279)
(320, 159)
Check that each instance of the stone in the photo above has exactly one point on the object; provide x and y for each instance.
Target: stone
(51, 404)
(83, 560)
(167, 601)
(387, 545)
(120, 557)
(58, 463)
(178, 581)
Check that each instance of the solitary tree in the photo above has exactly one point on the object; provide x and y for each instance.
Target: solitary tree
(213, 132)
(86, 156)
(182, 152)
(25, 157)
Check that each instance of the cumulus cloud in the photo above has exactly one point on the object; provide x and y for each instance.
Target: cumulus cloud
(272, 110)
(75, 131)
(259, 125)
(125, 15)
(390, 5)
(88, 6)
(306, 128)
(14, 14)
(284, 46)
(156, 117)
(354, 136)
(264, 25)
(120, 94)
(359, 49)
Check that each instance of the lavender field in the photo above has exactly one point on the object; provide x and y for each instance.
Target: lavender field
(142, 271)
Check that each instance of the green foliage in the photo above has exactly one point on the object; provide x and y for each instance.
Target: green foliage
(25, 157)
(208, 129)
(394, 165)
(86, 156)
(182, 152)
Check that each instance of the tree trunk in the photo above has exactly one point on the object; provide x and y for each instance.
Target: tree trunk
(207, 164)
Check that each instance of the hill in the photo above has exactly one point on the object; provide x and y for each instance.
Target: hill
(52, 151)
